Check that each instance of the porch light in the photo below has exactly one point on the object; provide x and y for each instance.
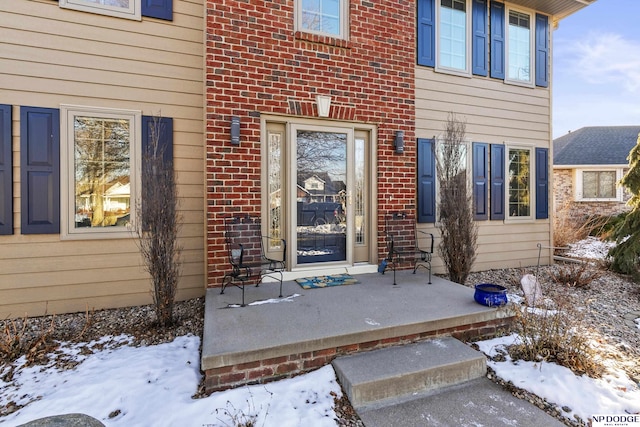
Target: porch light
(235, 130)
(398, 142)
(324, 105)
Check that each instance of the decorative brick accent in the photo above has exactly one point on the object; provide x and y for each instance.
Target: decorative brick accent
(285, 366)
(258, 63)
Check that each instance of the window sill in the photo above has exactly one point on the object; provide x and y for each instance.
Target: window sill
(321, 39)
(453, 72)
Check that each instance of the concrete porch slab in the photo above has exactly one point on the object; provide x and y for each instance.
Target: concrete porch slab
(372, 310)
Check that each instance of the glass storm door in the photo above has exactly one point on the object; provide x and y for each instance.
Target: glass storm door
(321, 196)
(318, 193)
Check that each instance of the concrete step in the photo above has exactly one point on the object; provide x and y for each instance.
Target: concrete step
(384, 376)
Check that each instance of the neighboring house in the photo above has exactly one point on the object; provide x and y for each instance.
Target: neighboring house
(587, 165)
(80, 84)
(361, 90)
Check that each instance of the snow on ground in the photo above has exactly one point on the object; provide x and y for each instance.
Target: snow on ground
(591, 248)
(152, 386)
(615, 393)
(142, 386)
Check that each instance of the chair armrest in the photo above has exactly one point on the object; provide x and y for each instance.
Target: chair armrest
(426, 234)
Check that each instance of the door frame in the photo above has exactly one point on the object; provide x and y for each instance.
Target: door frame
(291, 124)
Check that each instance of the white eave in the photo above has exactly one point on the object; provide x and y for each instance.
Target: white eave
(558, 9)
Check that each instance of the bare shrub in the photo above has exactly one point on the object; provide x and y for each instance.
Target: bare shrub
(557, 335)
(458, 230)
(576, 275)
(17, 340)
(158, 224)
(569, 229)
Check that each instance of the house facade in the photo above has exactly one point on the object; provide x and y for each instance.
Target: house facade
(268, 107)
(360, 91)
(81, 83)
(587, 165)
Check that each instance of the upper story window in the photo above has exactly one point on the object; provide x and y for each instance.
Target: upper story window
(484, 38)
(100, 158)
(130, 9)
(326, 17)
(519, 42)
(452, 35)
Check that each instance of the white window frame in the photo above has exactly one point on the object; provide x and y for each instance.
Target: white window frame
(532, 188)
(578, 193)
(344, 21)
(68, 230)
(532, 68)
(468, 42)
(133, 11)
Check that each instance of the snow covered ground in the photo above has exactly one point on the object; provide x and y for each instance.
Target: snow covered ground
(153, 386)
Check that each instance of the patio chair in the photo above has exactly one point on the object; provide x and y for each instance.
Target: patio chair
(247, 255)
(403, 246)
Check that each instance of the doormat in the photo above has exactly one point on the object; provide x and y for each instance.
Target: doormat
(326, 281)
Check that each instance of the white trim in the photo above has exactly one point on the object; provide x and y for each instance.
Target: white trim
(68, 231)
(468, 42)
(532, 188)
(133, 11)
(579, 184)
(344, 21)
(532, 50)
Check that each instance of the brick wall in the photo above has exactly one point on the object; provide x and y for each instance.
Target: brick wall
(276, 368)
(256, 63)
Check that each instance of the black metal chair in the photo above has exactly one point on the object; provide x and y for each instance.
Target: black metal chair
(403, 245)
(246, 251)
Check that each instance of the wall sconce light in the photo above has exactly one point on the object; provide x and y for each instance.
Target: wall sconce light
(324, 105)
(235, 130)
(398, 142)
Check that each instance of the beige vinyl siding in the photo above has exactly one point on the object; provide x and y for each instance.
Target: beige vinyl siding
(495, 113)
(51, 56)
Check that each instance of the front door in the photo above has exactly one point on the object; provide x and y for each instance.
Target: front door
(318, 195)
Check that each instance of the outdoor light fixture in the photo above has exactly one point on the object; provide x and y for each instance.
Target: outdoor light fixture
(235, 130)
(398, 142)
(324, 105)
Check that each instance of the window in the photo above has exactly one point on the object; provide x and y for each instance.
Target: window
(130, 9)
(519, 42)
(480, 37)
(598, 185)
(100, 154)
(327, 17)
(519, 190)
(452, 39)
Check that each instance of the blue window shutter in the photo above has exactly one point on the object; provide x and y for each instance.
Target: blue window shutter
(497, 40)
(6, 172)
(480, 180)
(40, 170)
(426, 181)
(161, 9)
(426, 33)
(542, 183)
(165, 146)
(480, 43)
(542, 50)
(497, 180)
(165, 136)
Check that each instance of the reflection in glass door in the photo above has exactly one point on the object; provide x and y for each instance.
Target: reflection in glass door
(321, 196)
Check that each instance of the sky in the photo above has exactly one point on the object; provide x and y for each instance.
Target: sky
(596, 67)
(121, 385)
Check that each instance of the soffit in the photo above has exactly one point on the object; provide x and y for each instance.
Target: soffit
(557, 8)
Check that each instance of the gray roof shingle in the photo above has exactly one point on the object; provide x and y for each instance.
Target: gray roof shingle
(595, 145)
